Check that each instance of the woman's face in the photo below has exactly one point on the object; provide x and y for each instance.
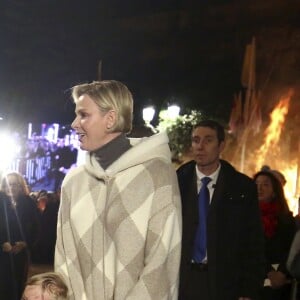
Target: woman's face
(91, 124)
(264, 188)
(13, 187)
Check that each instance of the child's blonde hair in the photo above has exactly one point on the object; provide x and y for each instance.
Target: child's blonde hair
(50, 282)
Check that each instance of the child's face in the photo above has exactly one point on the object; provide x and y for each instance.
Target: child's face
(34, 292)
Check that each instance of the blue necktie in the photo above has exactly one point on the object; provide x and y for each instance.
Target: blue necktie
(200, 239)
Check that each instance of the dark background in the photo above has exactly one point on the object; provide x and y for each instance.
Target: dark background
(189, 52)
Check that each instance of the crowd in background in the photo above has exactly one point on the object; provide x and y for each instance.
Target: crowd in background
(44, 162)
(27, 232)
(29, 202)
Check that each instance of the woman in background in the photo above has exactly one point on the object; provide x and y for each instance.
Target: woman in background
(279, 230)
(18, 232)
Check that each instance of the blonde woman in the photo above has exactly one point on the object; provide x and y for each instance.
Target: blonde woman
(119, 223)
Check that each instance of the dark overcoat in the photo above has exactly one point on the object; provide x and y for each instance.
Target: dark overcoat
(235, 243)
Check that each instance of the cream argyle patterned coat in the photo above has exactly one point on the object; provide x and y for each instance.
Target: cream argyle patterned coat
(119, 230)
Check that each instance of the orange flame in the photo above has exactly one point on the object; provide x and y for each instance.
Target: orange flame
(273, 131)
(290, 188)
(270, 149)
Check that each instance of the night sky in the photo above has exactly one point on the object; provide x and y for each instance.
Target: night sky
(189, 52)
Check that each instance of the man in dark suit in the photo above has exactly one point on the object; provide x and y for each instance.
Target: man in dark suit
(232, 266)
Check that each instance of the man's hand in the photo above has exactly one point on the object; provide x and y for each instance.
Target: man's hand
(278, 279)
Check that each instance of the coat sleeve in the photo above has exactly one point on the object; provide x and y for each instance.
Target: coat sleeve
(288, 232)
(293, 261)
(61, 259)
(160, 276)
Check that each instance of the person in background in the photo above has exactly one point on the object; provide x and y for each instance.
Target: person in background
(18, 233)
(119, 223)
(229, 265)
(48, 205)
(279, 230)
(276, 173)
(45, 286)
(63, 159)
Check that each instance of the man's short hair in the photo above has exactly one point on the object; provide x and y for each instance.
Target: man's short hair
(213, 125)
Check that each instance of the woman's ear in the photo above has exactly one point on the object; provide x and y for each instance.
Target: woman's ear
(111, 118)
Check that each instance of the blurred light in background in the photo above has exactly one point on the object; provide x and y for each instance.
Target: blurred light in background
(8, 150)
(148, 114)
(173, 111)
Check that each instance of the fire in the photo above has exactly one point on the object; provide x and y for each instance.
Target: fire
(270, 150)
(290, 188)
(273, 131)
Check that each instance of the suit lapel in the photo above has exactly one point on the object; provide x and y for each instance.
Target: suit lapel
(219, 190)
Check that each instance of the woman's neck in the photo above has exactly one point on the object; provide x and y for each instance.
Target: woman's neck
(111, 151)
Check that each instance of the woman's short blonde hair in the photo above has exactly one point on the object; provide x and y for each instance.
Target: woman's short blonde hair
(109, 95)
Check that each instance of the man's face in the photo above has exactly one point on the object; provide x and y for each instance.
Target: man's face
(206, 149)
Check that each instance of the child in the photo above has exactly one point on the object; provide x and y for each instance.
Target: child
(45, 286)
